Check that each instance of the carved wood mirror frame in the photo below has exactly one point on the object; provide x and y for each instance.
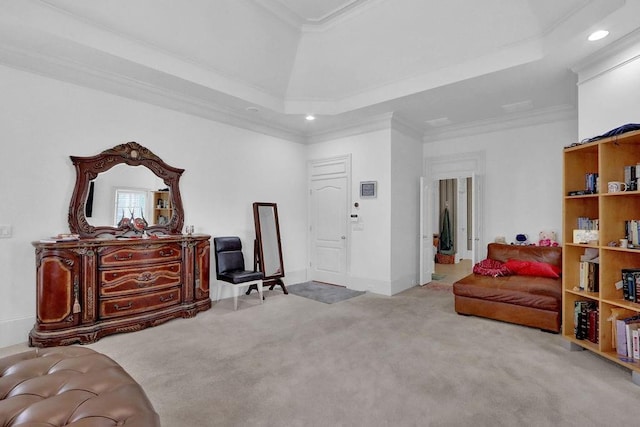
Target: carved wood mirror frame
(132, 154)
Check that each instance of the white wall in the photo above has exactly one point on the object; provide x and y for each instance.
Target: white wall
(522, 186)
(406, 169)
(608, 89)
(370, 263)
(43, 121)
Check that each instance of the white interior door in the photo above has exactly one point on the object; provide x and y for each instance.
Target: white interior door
(479, 251)
(328, 230)
(426, 233)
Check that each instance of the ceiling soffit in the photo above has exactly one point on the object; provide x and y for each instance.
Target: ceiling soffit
(336, 69)
(369, 61)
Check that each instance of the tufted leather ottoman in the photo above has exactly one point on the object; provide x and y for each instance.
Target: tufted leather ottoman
(70, 386)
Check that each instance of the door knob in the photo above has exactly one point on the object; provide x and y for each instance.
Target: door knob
(343, 237)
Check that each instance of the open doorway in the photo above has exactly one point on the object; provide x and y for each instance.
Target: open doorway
(467, 170)
(454, 232)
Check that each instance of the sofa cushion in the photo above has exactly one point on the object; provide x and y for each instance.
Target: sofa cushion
(533, 268)
(491, 267)
(538, 292)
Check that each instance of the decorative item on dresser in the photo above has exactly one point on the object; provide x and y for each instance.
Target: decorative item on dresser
(118, 279)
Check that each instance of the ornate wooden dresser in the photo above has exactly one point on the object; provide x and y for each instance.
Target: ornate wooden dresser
(90, 288)
(118, 278)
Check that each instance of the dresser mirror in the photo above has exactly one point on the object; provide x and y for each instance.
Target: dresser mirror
(130, 166)
(269, 246)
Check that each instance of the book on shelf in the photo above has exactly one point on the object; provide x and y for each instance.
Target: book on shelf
(582, 310)
(632, 231)
(636, 341)
(631, 347)
(586, 223)
(622, 344)
(591, 182)
(589, 276)
(630, 284)
(631, 176)
(593, 327)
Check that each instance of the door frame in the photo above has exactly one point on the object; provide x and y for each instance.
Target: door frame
(458, 166)
(320, 169)
(426, 254)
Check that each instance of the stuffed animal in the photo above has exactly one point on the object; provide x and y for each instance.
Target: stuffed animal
(547, 238)
(522, 239)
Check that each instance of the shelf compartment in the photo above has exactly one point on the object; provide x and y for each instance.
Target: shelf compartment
(568, 312)
(575, 207)
(611, 264)
(616, 208)
(571, 269)
(616, 153)
(578, 161)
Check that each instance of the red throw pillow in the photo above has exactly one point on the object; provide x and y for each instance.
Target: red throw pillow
(491, 267)
(533, 268)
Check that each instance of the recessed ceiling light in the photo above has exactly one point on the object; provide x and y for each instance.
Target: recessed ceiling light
(598, 35)
(252, 109)
(310, 117)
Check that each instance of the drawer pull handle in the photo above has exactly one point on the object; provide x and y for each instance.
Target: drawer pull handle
(166, 253)
(124, 258)
(143, 285)
(165, 299)
(126, 307)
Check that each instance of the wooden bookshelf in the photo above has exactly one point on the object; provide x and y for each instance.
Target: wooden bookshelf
(162, 207)
(606, 157)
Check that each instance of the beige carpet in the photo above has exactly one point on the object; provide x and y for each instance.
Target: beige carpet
(406, 360)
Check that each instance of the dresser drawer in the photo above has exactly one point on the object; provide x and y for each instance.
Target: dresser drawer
(128, 280)
(135, 255)
(117, 307)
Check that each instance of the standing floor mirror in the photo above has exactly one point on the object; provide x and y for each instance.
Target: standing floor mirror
(268, 248)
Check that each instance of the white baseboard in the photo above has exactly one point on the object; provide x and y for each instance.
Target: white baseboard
(15, 331)
(382, 287)
(403, 283)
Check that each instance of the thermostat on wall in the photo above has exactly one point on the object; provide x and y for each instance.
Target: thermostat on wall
(368, 189)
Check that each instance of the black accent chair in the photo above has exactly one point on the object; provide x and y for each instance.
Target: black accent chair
(230, 268)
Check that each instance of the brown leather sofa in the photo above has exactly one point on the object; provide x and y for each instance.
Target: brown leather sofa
(525, 300)
(70, 386)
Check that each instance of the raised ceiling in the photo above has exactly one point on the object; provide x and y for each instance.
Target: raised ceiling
(264, 64)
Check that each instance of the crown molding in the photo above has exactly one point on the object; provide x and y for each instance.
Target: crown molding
(276, 9)
(366, 125)
(323, 23)
(340, 15)
(406, 127)
(107, 39)
(530, 118)
(609, 58)
(103, 80)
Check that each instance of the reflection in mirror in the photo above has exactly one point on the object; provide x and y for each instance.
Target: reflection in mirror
(269, 247)
(108, 209)
(270, 250)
